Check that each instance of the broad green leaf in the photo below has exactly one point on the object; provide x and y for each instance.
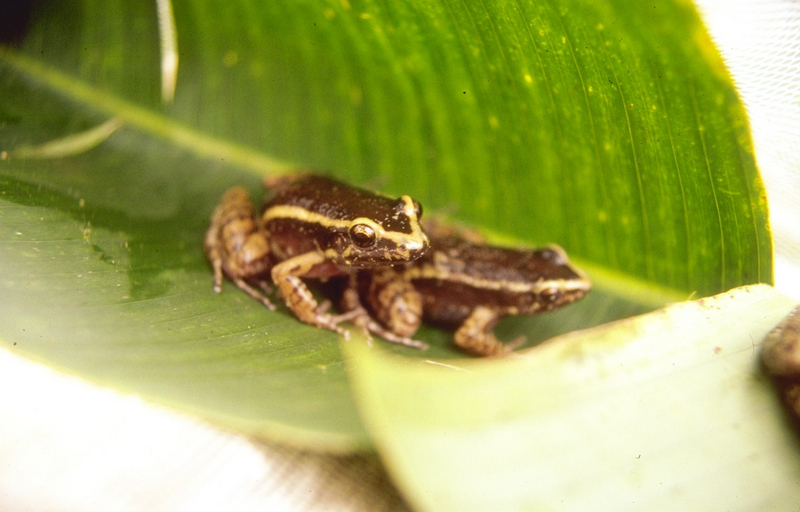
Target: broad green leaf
(650, 413)
(608, 127)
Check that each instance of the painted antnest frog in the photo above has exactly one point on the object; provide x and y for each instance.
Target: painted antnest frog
(312, 227)
(780, 355)
(466, 285)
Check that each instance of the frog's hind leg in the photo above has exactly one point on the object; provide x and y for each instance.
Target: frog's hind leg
(236, 247)
(476, 337)
(350, 302)
(395, 307)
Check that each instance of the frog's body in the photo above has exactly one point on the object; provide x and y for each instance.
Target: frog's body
(312, 227)
(780, 355)
(469, 286)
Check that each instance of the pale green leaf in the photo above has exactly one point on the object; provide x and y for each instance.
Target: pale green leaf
(666, 411)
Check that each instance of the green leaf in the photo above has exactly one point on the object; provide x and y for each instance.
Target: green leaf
(609, 127)
(645, 414)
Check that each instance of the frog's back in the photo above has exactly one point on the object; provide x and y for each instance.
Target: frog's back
(335, 200)
(457, 276)
(495, 265)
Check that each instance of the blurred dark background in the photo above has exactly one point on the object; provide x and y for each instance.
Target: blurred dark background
(15, 16)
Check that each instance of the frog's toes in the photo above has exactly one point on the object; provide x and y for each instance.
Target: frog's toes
(252, 292)
(515, 343)
(323, 307)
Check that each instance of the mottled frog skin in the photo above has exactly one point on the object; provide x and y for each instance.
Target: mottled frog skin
(311, 227)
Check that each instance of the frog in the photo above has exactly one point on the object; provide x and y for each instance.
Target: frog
(312, 227)
(466, 285)
(780, 357)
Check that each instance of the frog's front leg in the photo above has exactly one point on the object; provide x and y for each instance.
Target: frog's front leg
(476, 337)
(236, 246)
(287, 277)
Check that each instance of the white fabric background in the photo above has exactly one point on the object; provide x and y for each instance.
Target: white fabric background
(760, 42)
(66, 445)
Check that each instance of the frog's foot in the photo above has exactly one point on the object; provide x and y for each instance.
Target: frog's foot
(391, 337)
(249, 290)
(219, 274)
(317, 314)
(331, 323)
(348, 316)
(321, 318)
(324, 307)
(214, 253)
(515, 343)
(370, 326)
(314, 314)
(475, 334)
(243, 285)
(363, 322)
(217, 266)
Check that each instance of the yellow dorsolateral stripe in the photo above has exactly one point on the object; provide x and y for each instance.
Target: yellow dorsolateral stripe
(413, 240)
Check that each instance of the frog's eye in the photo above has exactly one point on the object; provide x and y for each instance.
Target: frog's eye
(363, 236)
(548, 254)
(553, 255)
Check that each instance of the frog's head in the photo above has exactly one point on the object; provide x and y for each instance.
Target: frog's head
(558, 282)
(391, 234)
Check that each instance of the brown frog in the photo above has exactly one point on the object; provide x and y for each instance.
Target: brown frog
(466, 285)
(780, 355)
(313, 227)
